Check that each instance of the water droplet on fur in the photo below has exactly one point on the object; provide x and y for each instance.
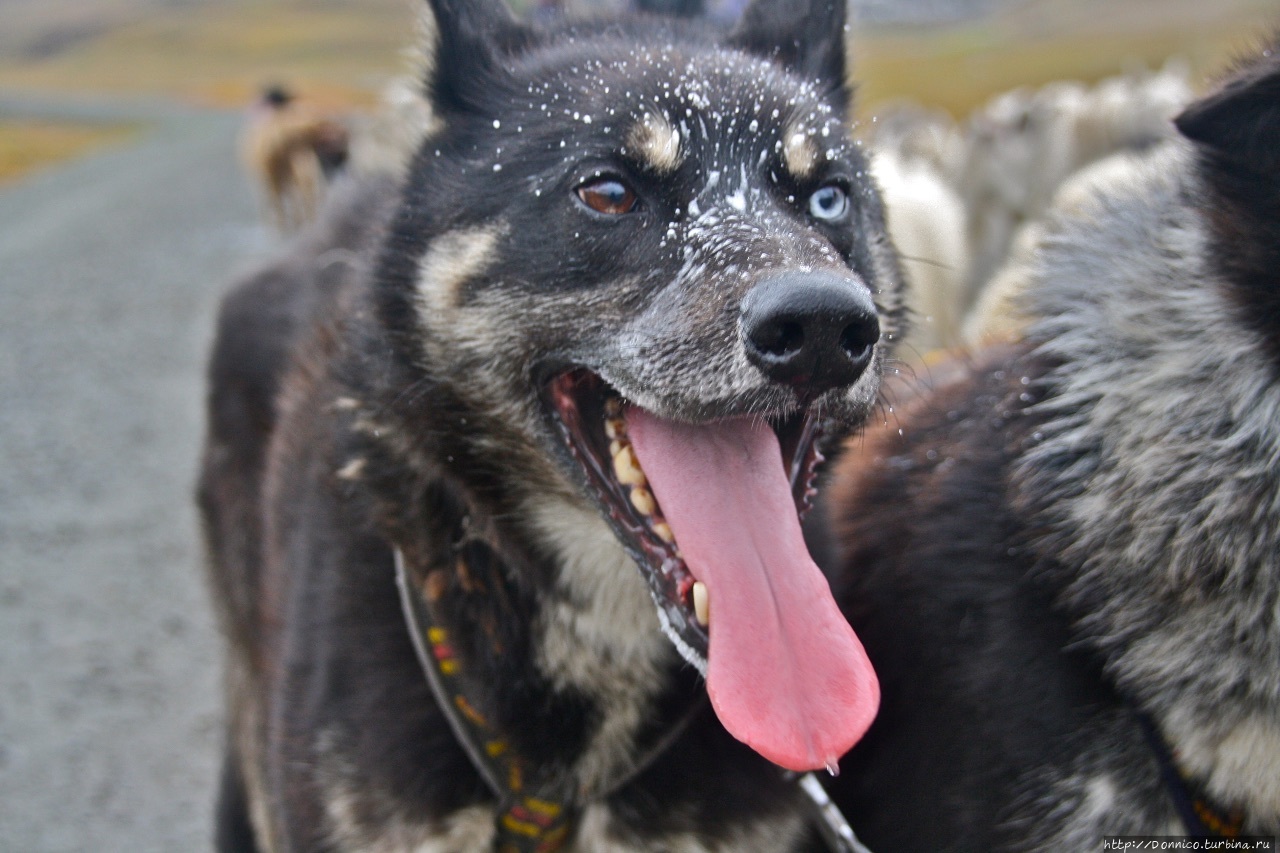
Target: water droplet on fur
(496, 124)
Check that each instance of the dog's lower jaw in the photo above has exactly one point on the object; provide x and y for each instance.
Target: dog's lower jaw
(599, 634)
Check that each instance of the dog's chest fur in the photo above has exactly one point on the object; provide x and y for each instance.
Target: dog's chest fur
(382, 768)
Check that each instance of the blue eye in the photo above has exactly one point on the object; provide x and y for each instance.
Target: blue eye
(829, 203)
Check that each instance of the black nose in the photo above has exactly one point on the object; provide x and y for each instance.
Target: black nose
(814, 331)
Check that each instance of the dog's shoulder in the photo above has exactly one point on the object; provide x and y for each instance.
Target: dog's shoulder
(269, 332)
(264, 316)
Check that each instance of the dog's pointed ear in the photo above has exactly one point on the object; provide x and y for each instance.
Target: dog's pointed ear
(810, 37)
(1240, 122)
(467, 48)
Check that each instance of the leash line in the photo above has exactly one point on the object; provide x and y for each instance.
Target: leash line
(1201, 817)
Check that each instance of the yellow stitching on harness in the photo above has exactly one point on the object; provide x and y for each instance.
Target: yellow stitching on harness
(543, 807)
(469, 711)
(521, 827)
(554, 840)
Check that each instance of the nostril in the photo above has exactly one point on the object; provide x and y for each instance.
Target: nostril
(859, 337)
(780, 339)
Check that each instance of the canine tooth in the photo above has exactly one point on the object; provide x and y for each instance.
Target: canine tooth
(642, 500)
(615, 447)
(664, 532)
(615, 428)
(627, 467)
(701, 604)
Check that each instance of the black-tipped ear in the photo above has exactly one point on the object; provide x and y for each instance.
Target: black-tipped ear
(1240, 122)
(467, 51)
(810, 37)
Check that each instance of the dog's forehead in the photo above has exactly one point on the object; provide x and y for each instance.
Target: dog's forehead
(666, 104)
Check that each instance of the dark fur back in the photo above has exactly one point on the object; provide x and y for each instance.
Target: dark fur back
(262, 322)
(1080, 530)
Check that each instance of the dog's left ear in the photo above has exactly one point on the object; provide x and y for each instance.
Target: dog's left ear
(467, 46)
(809, 37)
(1240, 122)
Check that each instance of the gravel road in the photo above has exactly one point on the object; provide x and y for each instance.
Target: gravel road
(110, 272)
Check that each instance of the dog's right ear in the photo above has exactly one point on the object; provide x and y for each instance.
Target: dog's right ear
(467, 46)
(809, 37)
(1240, 122)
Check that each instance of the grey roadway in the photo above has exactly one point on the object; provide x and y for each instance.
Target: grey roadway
(110, 271)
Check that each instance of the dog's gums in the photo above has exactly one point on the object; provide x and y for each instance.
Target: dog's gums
(590, 417)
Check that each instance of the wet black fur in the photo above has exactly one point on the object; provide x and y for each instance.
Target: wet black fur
(994, 692)
(320, 361)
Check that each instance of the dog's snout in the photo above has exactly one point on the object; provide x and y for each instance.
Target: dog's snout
(814, 331)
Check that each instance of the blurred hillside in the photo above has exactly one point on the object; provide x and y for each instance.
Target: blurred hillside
(952, 54)
(206, 51)
(958, 64)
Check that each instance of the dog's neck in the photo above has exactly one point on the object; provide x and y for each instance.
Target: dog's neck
(572, 614)
(598, 634)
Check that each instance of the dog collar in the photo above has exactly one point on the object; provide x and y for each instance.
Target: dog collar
(1199, 814)
(535, 813)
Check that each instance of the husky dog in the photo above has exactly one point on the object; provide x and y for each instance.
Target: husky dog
(1063, 557)
(293, 153)
(469, 433)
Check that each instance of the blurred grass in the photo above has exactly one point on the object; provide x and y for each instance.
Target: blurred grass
(340, 53)
(960, 69)
(26, 146)
(222, 54)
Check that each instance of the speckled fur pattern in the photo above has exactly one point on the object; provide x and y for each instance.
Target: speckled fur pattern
(383, 384)
(1066, 533)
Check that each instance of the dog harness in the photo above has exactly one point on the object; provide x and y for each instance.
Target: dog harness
(1200, 815)
(536, 812)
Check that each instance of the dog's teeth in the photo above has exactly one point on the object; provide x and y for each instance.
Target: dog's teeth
(664, 532)
(613, 407)
(626, 467)
(701, 604)
(642, 499)
(615, 447)
(615, 427)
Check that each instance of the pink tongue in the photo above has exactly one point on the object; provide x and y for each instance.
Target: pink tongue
(786, 674)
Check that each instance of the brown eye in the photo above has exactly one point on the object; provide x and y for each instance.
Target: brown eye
(609, 196)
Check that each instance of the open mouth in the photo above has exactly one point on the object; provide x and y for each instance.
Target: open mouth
(711, 515)
(591, 418)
